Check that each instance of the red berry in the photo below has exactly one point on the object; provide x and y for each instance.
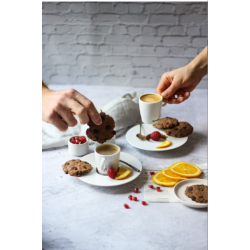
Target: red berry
(130, 197)
(150, 186)
(152, 173)
(77, 138)
(155, 136)
(158, 189)
(77, 141)
(82, 139)
(126, 206)
(144, 203)
(73, 141)
(136, 190)
(112, 173)
(134, 199)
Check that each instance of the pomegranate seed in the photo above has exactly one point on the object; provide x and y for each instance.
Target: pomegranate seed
(77, 138)
(150, 186)
(158, 189)
(80, 142)
(130, 197)
(73, 141)
(134, 199)
(152, 173)
(144, 203)
(77, 141)
(126, 206)
(136, 190)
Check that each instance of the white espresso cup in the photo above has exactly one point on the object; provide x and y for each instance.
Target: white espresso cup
(107, 156)
(150, 111)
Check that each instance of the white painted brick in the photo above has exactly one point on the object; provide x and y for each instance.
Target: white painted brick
(193, 52)
(157, 72)
(163, 30)
(77, 7)
(193, 8)
(119, 29)
(61, 79)
(89, 60)
(52, 19)
(45, 38)
(148, 40)
(62, 69)
(92, 49)
(103, 70)
(175, 40)
(193, 31)
(131, 50)
(194, 19)
(78, 48)
(77, 18)
(115, 80)
(91, 7)
(133, 18)
(176, 51)
(62, 38)
(93, 80)
(145, 61)
(62, 59)
(120, 8)
(104, 49)
(50, 48)
(147, 50)
(90, 29)
(119, 50)
(49, 7)
(117, 70)
(159, 8)
(117, 60)
(142, 82)
(118, 39)
(174, 62)
(108, 18)
(105, 7)
(58, 29)
(161, 51)
(76, 69)
(200, 42)
(166, 19)
(134, 30)
(200, 8)
(142, 71)
(204, 30)
(135, 8)
(177, 30)
(148, 30)
(94, 39)
(90, 70)
(63, 7)
(64, 48)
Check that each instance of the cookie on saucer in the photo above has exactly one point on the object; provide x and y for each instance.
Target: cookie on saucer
(166, 122)
(76, 167)
(198, 193)
(104, 132)
(183, 129)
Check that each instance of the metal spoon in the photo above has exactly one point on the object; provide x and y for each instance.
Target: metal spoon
(140, 135)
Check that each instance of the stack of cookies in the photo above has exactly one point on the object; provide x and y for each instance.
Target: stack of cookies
(174, 127)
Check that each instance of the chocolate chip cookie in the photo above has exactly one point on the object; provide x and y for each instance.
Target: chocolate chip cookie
(166, 122)
(181, 130)
(198, 193)
(76, 167)
(101, 133)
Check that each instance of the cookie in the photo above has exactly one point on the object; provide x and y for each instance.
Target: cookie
(166, 122)
(101, 133)
(181, 130)
(198, 193)
(76, 167)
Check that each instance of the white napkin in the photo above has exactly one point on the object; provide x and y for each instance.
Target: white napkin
(167, 193)
(124, 110)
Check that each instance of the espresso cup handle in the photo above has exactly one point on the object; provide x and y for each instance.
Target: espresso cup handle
(164, 104)
(102, 165)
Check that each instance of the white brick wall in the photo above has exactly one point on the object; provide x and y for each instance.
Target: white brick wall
(120, 43)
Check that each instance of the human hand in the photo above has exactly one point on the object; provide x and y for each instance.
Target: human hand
(58, 108)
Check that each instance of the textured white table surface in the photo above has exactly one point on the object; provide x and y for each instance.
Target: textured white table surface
(79, 216)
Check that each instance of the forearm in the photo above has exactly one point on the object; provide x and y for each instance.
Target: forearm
(199, 64)
(45, 89)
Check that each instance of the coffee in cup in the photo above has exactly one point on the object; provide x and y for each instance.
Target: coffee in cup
(151, 98)
(107, 149)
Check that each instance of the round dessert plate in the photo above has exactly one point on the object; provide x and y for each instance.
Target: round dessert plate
(179, 191)
(151, 145)
(93, 178)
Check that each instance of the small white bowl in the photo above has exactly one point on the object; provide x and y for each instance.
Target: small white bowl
(112, 140)
(78, 149)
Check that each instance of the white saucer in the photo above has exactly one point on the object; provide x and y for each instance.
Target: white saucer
(179, 191)
(146, 145)
(93, 178)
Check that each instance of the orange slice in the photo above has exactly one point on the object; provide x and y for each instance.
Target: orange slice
(123, 173)
(160, 179)
(164, 144)
(171, 175)
(185, 169)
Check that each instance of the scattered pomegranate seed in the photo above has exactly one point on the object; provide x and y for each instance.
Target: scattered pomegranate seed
(134, 199)
(126, 206)
(150, 186)
(136, 190)
(158, 189)
(152, 173)
(130, 197)
(144, 203)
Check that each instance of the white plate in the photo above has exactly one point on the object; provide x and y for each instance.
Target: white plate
(93, 178)
(179, 191)
(146, 145)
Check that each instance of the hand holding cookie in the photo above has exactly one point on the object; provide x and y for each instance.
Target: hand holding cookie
(58, 108)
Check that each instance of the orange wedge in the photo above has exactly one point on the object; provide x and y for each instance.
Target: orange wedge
(171, 175)
(160, 179)
(185, 169)
(123, 173)
(164, 144)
